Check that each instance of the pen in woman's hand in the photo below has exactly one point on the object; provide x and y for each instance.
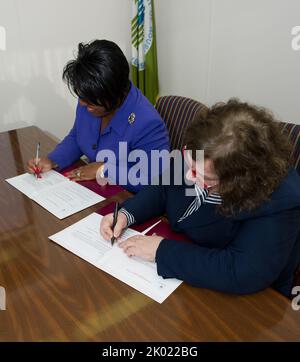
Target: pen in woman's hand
(112, 240)
(37, 156)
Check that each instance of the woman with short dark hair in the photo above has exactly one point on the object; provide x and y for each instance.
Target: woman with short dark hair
(244, 219)
(110, 110)
(99, 75)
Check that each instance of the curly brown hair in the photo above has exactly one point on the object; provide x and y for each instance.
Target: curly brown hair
(250, 154)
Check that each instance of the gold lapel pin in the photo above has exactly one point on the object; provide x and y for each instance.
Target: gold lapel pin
(131, 118)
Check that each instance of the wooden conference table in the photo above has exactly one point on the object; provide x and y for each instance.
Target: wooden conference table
(52, 295)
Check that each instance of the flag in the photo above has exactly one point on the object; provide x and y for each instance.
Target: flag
(143, 45)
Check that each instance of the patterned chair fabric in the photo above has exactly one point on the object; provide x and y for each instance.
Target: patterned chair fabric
(293, 133)
(177, 112)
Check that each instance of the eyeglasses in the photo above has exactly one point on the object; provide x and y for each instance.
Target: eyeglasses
(194, 171)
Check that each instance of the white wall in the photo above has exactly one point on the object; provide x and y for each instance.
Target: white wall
(41, 37)
(209, 50)
(212, 50)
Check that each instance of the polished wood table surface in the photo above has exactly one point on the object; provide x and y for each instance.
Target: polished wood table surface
(52, 295)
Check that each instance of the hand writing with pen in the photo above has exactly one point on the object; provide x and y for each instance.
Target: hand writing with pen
(43, 164)
(144, 247)
(38, 165)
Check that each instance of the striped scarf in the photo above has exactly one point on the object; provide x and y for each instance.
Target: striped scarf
(202, 197)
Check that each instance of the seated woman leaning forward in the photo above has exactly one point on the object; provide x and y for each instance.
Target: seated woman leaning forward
(245, 218)
(110, 110)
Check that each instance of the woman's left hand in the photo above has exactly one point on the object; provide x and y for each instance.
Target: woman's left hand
(84, 173)
(142, 246)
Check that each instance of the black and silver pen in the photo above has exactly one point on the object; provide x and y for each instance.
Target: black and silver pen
(112, 240)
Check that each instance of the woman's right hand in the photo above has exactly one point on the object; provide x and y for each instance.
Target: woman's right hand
(44, 164)
(106, 226)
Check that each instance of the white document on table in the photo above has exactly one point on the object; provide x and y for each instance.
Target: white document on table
(56, 193)
(83, 239)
